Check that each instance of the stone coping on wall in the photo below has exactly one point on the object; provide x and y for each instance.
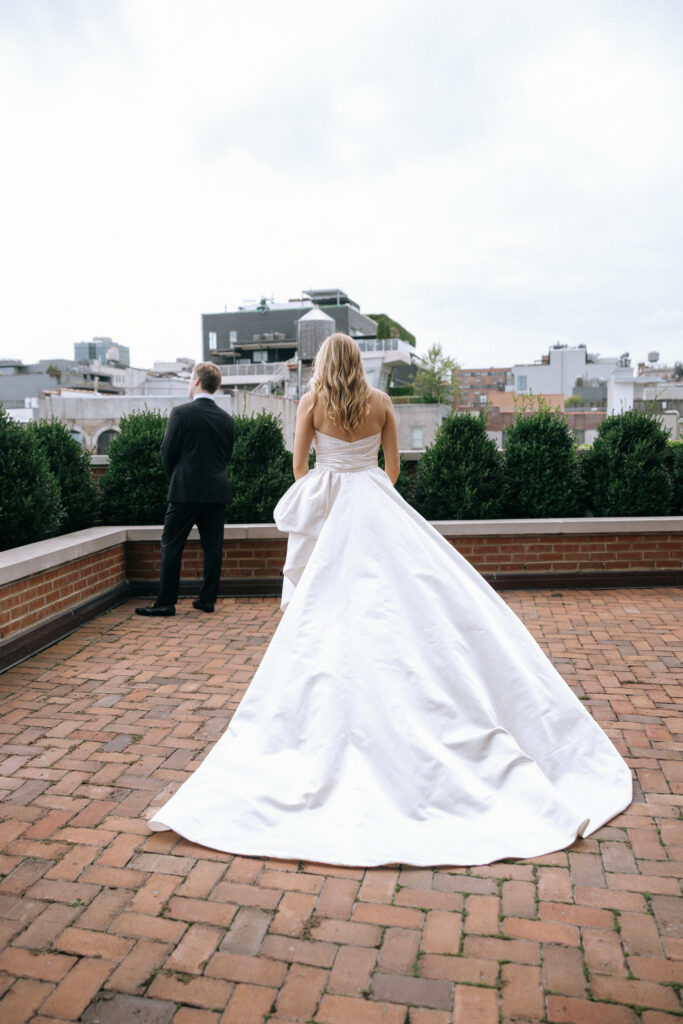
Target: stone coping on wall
(18, 563)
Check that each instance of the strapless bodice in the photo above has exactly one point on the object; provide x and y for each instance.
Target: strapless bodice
(339, 456)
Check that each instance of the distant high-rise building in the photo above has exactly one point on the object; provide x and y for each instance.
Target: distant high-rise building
(103, 349)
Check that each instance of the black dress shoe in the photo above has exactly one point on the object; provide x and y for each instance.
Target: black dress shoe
(156, 609)
(201, 606)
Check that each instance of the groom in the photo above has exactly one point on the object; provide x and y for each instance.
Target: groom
(195, 452)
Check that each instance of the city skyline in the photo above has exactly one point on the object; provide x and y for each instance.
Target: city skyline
(496, 177)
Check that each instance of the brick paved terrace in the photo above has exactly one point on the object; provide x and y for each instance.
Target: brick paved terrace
(101, 920)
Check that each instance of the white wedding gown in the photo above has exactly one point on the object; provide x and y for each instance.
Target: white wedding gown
(402, 713)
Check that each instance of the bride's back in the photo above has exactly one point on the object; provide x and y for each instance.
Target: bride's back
(372, 423)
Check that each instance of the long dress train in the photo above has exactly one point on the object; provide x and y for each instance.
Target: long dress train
(402, 712)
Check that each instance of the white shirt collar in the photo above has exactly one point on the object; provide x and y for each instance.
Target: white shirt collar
(203, 394)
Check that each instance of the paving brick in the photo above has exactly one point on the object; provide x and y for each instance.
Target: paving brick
(379, 885)
(481, 915)
(316, 954)
(191, 1015)
(523, 952)
(62, 892)
(562, 1010)
(246, 931)
(294, 910)
(144, 926)
(301, 992)
(636, 993)
(421, 1016)
(41, 933)
(82, 942)
(42, 966)
(116, 1008)
(249, 1004)
(151, 897)
(429, 898)
(206, 993)
(475, 1005)
(136, 970)
(200, 911)
(246, 895)
(397, 988)
(236, 967)
(202, 878)
(541, 931)
(352, 969)
(639, 933)
(522, 992)
(563, 971)
(78, 988)
(465, 969)
(195, 949)
(348, 933)
(519, 899)
(343, 1010)
(337, 897)
(441, 932)
(398, 917)
(603, 952)
(554, 885)
(21, 1001)
(399, 950)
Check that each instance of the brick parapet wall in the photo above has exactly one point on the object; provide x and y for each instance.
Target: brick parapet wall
(56, 584)
(28, 601)
(572, 552)
(245, 558)
(491, 555)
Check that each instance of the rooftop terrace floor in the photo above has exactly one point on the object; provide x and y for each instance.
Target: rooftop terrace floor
(101, 920)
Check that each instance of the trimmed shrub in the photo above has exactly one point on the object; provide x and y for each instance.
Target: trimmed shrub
(541, 472)
(30, 500)
(460, 475)
(260, 469)
(134, 489)
(625, 471)
(676, 469)
(71, 467)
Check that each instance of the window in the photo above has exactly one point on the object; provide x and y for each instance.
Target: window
(417, 437)
(213, 340)
(521, 382)
(260, 355)
(104, 440)
(77, 435)
(233, 338)
(483, 399)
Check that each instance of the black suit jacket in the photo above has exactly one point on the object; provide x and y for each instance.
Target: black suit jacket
(196, 450)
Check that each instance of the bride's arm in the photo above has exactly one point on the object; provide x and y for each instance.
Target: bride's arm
(392, 461)
(303, 437)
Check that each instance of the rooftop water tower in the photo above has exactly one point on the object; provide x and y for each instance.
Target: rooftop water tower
(311, 331)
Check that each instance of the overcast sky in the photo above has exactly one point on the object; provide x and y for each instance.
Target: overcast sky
(497, 175)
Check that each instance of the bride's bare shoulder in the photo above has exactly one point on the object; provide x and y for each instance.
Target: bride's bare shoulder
(380, 399)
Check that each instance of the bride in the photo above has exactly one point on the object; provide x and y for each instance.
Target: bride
(402, 713)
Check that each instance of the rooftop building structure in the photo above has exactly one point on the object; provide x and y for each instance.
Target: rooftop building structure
(104, 350)
(256, 345)
(562, 369)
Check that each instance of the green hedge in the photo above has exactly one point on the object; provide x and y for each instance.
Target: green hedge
(626, 471)
(460, 475)
(260, 469)
(134, 488)
(70, 464)
(541, 472)
(31, 506)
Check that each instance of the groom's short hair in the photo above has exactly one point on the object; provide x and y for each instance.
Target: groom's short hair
(208, 375)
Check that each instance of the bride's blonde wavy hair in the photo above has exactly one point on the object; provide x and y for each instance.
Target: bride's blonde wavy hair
(339, 382)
